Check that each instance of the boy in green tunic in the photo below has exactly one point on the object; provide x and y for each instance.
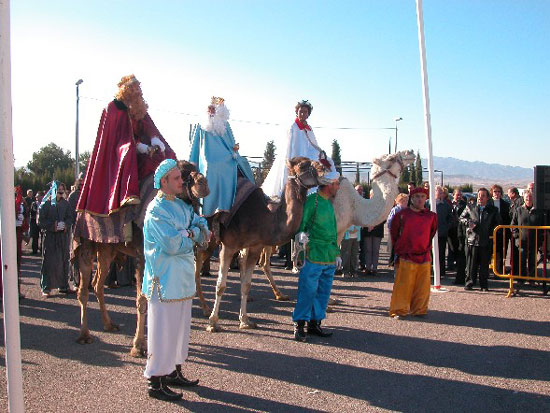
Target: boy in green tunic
(318, 230)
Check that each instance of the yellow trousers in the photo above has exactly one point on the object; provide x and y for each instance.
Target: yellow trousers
(411, 289)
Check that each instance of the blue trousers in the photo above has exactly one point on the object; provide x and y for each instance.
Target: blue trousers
(314, 285)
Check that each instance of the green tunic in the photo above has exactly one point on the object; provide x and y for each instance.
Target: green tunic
(320, 224)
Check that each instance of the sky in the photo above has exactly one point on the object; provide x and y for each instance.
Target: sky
(357, 62)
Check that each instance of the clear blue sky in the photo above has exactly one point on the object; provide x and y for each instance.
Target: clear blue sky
(356, 61)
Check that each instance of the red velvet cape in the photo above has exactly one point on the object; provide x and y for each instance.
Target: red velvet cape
(112, 177)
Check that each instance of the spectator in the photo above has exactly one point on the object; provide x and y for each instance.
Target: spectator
(526, 240)
(371, 238)
(516, 202)
(457, 239)
(21, 226)
(444, 222)
(480, 221)
(33, 223)
(501, 243)
(55, 218)
(349, 250)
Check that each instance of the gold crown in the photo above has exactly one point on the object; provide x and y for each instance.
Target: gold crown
(217, 100)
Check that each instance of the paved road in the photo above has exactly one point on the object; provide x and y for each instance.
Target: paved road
(474, 352)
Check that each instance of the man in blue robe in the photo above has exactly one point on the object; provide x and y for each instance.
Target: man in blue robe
(214, 151)
(170, 230)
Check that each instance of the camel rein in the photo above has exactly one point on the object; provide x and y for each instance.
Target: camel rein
(379, 174)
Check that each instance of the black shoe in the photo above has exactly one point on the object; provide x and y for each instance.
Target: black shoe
(484, 289)
(468, 288)
(176, 379)
(158, 389)
(299, 332)
(314, 329)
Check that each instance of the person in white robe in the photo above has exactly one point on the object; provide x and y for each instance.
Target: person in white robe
(300, 141)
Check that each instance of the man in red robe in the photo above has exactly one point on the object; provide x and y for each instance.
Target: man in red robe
(128, 148)
(412, 230)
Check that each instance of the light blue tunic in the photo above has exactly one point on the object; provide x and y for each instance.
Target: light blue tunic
(169, 259)
(218, 162)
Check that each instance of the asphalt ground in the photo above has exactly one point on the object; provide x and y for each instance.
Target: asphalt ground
(475, 351)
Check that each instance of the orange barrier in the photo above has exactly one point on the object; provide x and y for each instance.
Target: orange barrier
(528, 258)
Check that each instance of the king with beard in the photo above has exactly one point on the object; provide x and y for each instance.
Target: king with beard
(214, 151)
(128, 149)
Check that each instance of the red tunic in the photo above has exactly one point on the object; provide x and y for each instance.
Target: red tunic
(115, 168)
(412, 233)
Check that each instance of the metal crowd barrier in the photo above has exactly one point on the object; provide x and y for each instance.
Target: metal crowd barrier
(528, 259)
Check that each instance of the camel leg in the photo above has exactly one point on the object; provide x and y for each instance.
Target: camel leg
(226, 255)
(139, 345)
(85, 258)
(105, 256)
(265, 265)
(247, 269)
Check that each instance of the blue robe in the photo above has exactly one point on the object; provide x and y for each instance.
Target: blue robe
(169, 258)
(218, 162)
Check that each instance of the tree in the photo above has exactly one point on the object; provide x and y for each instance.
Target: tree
(336, 158)
(405, 177)
(48, 159)
(418, 169)
(83, 160)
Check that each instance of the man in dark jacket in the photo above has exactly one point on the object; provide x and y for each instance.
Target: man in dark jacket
(444, 222)
(516, 202)
(528, 240)
(502, 243)
(480, 221)
(457, 239)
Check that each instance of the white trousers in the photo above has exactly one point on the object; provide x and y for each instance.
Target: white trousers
(168, 330)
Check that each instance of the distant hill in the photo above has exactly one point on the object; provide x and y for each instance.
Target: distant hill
(458, 171)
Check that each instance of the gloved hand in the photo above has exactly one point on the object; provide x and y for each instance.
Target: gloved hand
(60, 226)
(20, 217)
(184, 233)
(302, 238)
(142, 148)
(338, 263)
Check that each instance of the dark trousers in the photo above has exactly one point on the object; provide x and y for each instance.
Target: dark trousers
(477, 261)
(452, 247)
(460, 257)
(501, 250)
(442, 250)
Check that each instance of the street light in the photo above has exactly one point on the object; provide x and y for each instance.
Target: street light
(396, 120)
(76, 155)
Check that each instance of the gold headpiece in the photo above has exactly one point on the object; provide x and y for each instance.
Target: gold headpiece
(217, 100)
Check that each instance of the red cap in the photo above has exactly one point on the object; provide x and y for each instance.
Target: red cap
(419, 190)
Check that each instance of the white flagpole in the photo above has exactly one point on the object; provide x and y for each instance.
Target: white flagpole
(7, 223)
(428, 127)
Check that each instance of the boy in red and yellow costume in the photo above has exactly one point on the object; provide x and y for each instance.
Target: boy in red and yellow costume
(412, 231)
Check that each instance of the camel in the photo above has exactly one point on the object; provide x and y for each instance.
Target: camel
(256, 225)
(195, 187)
(351, 208)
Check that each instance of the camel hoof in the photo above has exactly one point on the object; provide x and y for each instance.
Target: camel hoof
(138, 352)
(213, 328)
(85, 339)
(332, 301)
(112, 327)
(282, 297)
(248, 325)
(330, 309)
(206, 311)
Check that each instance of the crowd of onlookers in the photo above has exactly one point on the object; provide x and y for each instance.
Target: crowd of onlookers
(45, 221)
(465, 235)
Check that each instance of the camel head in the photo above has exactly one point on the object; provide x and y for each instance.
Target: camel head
(304, 171)
(195, 185)
(392, 164)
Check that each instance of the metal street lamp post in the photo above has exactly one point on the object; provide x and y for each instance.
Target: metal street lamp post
(396, 120)
(76, 154)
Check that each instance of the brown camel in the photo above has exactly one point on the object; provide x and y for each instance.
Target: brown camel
(255, 225)
(195, 187)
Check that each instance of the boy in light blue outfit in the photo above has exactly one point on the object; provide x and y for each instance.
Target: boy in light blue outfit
(170, 230)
